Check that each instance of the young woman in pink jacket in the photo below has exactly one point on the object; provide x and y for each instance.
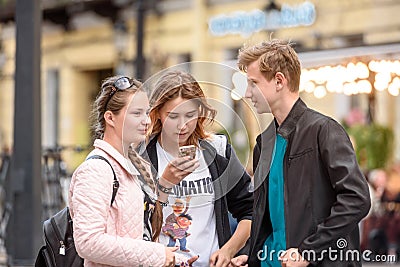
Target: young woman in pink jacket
(123, 233)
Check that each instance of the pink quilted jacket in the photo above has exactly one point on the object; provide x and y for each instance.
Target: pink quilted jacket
(104, 235)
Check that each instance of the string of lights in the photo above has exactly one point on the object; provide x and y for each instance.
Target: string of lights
(353, 78)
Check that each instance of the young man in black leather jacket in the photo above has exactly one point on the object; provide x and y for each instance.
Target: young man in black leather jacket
(309, 191)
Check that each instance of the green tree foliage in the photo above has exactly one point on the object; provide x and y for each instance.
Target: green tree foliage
(373, 144)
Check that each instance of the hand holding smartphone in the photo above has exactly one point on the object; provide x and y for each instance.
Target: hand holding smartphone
(182, 166)
(189, 150)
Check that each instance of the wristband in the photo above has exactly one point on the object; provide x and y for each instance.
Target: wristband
(164, 189)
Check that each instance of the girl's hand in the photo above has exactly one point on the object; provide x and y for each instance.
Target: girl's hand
(220, 258)
(192, 259)
(239, 261)
(182, 260)
(292, 258)
(178, 169)
(170, 256)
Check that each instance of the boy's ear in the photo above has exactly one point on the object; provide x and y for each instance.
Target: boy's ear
(280, 79)
(109, 118)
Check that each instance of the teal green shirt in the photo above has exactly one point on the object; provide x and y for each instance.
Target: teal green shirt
(277, 240)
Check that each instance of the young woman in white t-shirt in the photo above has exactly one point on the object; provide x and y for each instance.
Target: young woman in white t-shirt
(196, 219)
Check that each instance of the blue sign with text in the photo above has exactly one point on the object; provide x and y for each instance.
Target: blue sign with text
(246, 23)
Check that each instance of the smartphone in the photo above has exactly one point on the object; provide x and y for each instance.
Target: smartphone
(189, 150)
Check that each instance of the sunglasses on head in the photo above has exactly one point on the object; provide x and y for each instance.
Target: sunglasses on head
(120, 84)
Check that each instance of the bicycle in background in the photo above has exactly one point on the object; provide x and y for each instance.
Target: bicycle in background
(56, 179)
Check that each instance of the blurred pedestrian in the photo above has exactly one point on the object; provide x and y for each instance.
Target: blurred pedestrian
(309, 191)
(120, 234)
(391, 202)
(373, 236)
(393, 183)
(377, 180)
(179, 113)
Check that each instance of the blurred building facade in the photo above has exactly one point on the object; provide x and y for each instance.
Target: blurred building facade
(85, 41)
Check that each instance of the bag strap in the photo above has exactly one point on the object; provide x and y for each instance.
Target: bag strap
(115, 183)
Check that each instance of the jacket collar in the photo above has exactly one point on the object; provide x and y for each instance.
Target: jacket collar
(110, 150)
(266, 141)
(209, 154)
(289, 124)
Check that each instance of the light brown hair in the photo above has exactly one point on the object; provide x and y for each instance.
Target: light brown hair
(274, 56)
(115, 104)
(174, 84)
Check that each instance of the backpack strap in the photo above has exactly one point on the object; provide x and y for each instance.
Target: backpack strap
(115, 183)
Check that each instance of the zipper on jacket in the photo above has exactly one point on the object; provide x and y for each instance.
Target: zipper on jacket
(285, 187)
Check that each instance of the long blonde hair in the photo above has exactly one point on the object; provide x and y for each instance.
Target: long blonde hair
(140, 164)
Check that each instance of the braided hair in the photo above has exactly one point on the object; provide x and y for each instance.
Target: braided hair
(140, 165)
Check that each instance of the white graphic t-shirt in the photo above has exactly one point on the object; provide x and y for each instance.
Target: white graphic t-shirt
(189, 219)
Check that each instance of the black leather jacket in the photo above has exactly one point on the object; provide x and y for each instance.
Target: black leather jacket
(325, 193)
(231, 183)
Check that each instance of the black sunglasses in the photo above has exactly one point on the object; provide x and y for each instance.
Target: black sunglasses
(120, 84)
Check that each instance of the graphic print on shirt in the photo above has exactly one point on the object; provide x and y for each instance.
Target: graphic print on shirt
(194, 233)
(177, 224)
(201, 186)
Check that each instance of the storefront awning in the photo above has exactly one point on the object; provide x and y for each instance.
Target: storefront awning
(339, 56)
